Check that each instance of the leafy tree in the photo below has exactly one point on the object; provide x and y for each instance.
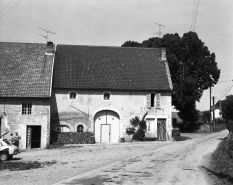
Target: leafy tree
(206, 116)
(227, 114)
(193, 69)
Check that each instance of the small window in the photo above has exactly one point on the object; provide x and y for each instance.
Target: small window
(107, 96)
(80, 129)
(72, 95)
(27, 108)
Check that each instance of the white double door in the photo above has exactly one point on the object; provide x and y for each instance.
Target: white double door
(107, 125)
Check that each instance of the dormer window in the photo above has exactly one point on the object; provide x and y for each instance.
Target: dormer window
(107, 96)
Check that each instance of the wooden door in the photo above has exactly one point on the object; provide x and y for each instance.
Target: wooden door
(105, 133)
(161, 129)
(29, 137)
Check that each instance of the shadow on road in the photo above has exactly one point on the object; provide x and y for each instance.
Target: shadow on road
(226, 177)
(181, 138)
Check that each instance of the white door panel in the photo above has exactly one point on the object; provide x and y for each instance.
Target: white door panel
(105, 133)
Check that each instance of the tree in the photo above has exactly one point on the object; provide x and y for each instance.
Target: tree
(206, 116)
(193, 69)
(227, 114)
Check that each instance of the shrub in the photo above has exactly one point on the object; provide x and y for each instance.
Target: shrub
(130, 130)
(138, 135)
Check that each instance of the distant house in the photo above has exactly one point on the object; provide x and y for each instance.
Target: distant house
(100, 89)
(25, 91)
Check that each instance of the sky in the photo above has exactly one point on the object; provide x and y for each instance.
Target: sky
(112, 22)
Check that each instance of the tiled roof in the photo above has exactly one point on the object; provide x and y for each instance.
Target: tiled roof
(25, 71)
(112, 68)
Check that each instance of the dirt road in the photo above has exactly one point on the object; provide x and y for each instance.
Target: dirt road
(124, 163)
(181, 163)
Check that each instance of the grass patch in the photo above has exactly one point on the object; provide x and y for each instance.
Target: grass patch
(18, 166)
(222, 163)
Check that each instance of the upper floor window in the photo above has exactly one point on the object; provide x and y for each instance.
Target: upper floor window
(107, 96)
(27, 108)
(80, 128)
(153, 100)
(72, 95)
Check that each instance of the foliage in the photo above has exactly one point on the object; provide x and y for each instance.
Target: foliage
(222, 162)
(130, 130)
(137, 123)
(140, 125)
(138, 135)
(206, 116)
(193, 69)
(227, 108)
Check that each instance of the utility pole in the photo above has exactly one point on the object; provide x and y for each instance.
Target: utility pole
(210, 109)
(213, 114)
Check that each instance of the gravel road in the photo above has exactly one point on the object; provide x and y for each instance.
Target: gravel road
(123, 163)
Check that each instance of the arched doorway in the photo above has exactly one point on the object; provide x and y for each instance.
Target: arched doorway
(107, 126)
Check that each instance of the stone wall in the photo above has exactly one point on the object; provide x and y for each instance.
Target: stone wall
(12, 119)
(72, 138)
(82, 110)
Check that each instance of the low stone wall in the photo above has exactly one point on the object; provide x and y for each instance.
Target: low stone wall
(73, 138)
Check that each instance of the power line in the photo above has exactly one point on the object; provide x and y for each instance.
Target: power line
(195, 14)
(226, 92)
(6, 5)
(10, 8)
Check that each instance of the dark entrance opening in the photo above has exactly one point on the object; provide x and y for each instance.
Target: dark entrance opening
(33, 136)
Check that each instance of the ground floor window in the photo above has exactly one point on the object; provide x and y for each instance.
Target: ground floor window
(80, 128)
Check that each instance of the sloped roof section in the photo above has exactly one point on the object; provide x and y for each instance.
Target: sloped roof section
(112, 68)
(25, 71)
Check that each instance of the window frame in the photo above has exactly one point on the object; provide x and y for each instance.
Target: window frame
(155, 98)
(110, 96)
(69, 95)
(26, 108)
(78, 130)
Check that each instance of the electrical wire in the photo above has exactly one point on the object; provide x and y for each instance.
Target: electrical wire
(197, 10)
(10, 8)
(6, 5)
(195, 14)
(226, 92)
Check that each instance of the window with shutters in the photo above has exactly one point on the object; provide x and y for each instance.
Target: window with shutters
(153, 100)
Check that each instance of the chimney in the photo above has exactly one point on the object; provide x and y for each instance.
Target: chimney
(163, 54)
(50, 48)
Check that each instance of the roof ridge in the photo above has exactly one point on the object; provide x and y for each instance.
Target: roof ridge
(23, 43)
(107, 46)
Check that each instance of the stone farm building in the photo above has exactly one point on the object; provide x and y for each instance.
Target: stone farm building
(25, 92)
(94, 88)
